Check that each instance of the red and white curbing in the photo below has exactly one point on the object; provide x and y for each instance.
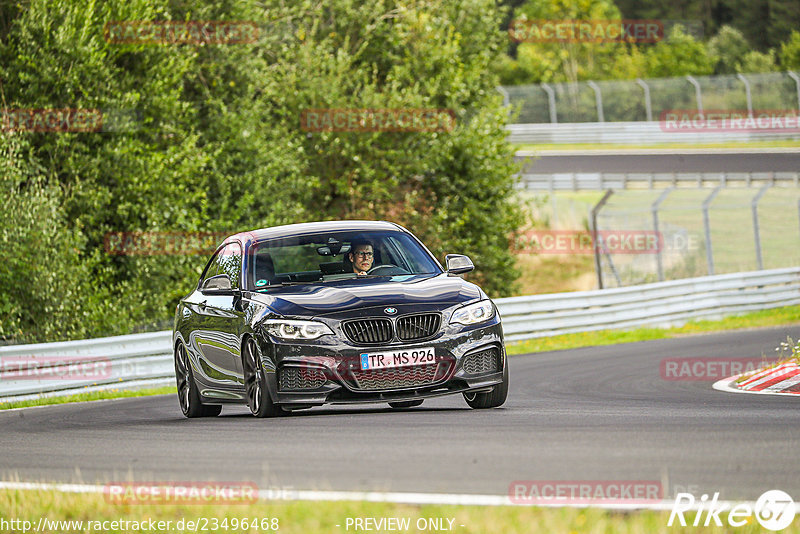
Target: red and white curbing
(781, 380)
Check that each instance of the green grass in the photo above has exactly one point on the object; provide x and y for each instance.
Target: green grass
(93, 396)
(312, 517)
(617, 146)
(765, 318)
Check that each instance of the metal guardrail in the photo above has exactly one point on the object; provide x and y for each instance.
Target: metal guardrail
(51, 369)
(631, 133)
(658, 304)
(599, 181)
(70, 367)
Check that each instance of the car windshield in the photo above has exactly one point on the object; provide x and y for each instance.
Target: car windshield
(328, 256)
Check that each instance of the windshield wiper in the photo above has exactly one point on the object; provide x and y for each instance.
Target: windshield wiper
(284, 284)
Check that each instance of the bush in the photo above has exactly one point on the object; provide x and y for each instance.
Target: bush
(217, 145)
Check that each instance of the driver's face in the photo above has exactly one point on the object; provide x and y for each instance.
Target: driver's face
(362, 258)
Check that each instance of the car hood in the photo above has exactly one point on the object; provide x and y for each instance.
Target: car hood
(347, 297)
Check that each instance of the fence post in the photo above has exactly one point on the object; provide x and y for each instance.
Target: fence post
(698, 95)
(707, 228)
(551, 101)
(506, 97)
(648, 106)
(596, 236)
(796, 79)
(598, 98)
(747, 93)
(657, 204)
(756, 234)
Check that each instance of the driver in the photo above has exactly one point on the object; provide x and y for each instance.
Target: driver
(361, 256)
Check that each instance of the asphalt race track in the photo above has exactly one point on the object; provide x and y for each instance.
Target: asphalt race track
(587, 414)
(665, 162)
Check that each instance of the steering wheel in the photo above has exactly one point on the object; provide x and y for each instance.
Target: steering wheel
(387, 270)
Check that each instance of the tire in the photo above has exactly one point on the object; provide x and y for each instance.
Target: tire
(255, 383)
(405, 404)
(491, 399)
(188, 394)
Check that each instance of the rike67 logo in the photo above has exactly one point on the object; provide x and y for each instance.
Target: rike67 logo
(774, 510)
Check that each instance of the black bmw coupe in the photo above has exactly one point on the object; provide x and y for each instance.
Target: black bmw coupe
(302, 315)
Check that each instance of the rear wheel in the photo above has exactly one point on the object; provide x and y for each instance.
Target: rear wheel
(255, 383)
(405, 404)
(491, 399)
(188, 394)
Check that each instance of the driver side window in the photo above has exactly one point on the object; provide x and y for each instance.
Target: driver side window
(227, 260)
(230, 263)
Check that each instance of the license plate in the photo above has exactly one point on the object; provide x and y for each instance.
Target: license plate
(397, 358)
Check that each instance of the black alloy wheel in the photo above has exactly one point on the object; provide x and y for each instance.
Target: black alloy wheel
(255, 383)
(188, 395)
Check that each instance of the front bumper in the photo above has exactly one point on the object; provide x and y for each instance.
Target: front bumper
(336, 370)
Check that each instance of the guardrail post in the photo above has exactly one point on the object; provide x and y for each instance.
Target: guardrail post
(747, 93)
(596, 236)
(697, 93)
(657, 204)
(707, 228)
(796, 79)
(648, 106)
(551, 101)
(598, 98)
(756, 234)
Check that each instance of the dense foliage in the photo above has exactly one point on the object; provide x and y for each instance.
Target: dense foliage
(702, 37)
(207, 138)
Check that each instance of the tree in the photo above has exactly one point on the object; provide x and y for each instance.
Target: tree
(573, 60)
(728, 48)
(790, 52)
(215, 144)
(679, 55)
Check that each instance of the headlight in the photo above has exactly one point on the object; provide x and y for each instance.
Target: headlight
(474, 313)
(289, 329)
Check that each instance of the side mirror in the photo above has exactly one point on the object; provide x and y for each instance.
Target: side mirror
(458, 263)
(217, 285)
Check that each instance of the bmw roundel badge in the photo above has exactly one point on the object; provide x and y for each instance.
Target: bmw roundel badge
(390, 311)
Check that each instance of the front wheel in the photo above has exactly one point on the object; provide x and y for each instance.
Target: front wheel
(255, 383)
(188, 395)
(491, 399)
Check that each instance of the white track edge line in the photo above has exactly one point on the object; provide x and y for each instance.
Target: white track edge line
(394, 497)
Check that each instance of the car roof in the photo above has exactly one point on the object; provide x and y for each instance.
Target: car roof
(292, 230)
